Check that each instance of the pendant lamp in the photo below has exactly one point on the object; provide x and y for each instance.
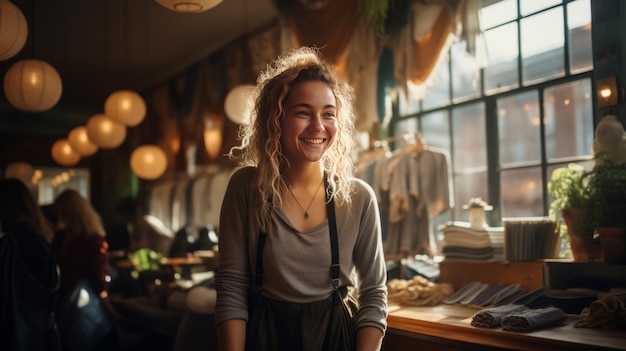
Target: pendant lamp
(79, 141)
(13, 30)
(63, 154)
(105, 132)
(189, 5)
(32, 85)
(148, 162)
(238, 103)
(212, 137)
(126, 107)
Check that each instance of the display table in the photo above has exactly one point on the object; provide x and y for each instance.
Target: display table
(447, 327)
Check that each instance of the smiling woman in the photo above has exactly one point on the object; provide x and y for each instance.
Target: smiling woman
(300, 141)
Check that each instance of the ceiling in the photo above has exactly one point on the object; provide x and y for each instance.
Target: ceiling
(100, 46)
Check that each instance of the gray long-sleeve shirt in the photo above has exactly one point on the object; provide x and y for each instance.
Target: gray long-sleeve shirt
(297, 265)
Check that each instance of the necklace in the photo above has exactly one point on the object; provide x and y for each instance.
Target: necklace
(306, 211)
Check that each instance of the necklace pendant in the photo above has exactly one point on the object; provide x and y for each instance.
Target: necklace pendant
(306, 215)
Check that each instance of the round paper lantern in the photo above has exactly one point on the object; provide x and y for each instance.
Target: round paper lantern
(32, 85)
(79, 141)
(105, 132)
(20, 170)
(148, 162)
(63, 154)
(238, 103)
(189, 5)
(13, 30)
(125, 107)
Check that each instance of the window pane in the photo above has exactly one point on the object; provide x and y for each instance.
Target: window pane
(519, 128)
(502, 53)
(568, 119)
(469, 140)
(579, 31)
(407, 106)
(493, 13)
(531, 6)
(439, 94)
(467, 186)
(436, 136)
(521, 192)
(542, 46)
(465, 73)
(48, 183)
(436, 129)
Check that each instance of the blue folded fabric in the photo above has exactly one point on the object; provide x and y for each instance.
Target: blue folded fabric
(533, 319)
(506, 295)
(492, 317)
(469, 297)
(534, 298)
(462, 293)
(487, 294)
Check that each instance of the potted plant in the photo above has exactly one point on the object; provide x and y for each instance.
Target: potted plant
(568, 187)
(606, 210)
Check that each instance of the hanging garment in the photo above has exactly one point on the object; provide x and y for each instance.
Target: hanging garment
(418, 192)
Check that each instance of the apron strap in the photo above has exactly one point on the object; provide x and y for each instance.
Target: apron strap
(334, 242)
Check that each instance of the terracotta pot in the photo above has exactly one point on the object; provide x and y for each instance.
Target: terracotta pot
(613, 241)
(583, 251)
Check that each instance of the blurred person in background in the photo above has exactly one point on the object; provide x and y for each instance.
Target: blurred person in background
(28, 272)
(81, 251)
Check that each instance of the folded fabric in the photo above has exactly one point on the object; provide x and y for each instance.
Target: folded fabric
(492, 317)
(469, 297)
(534, 298)
(608, 312)
(463, 292)
(487, 294)
(533, 319)
(506, 296)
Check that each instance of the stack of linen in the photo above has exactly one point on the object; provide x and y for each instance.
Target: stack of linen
(463, 242)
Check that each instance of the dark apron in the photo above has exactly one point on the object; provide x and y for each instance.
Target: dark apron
(323, 325)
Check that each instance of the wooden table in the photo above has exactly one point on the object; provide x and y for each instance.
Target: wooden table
(447, 327)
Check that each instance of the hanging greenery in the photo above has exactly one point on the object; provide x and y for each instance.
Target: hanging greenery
(375, 13)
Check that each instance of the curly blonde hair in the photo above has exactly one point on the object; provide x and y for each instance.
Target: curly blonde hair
(260, 139)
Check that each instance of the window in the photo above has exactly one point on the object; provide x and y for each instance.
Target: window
(525, 112)
(53, 181)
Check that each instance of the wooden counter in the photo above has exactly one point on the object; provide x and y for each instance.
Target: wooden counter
(447, 327)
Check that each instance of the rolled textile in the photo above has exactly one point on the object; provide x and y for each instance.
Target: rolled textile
(608, 312)
(533, 319)
(492, 317)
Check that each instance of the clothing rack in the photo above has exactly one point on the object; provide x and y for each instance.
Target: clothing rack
(407, 137)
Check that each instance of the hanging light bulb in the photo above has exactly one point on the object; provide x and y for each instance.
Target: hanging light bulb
(189, 5)
(79, 141)
(13, 30)
(105, 132)
(63, 154)
(32, 85)
(148, 162)
(238, 103)
(212, 136)
(126, 107)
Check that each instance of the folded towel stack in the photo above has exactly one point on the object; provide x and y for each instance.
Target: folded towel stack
(533, 319)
